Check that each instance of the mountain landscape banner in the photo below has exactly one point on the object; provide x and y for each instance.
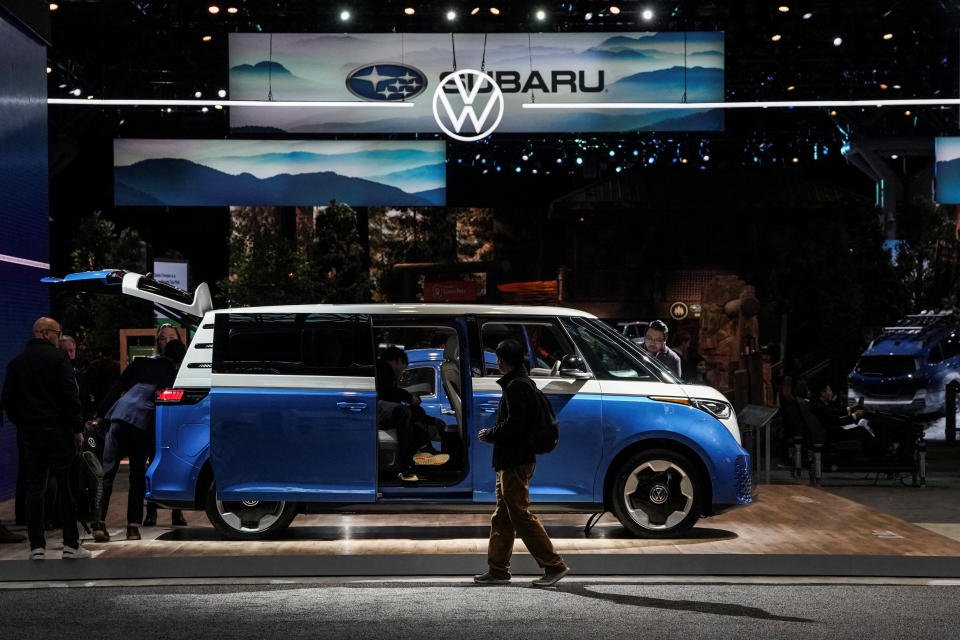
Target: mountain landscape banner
(947, 170)
(529, 68)
(279, 172)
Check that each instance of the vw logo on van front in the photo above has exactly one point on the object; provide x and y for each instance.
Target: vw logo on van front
(387, 82)
(474, 89)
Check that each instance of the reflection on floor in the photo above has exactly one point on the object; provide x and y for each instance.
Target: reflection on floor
(784, 520)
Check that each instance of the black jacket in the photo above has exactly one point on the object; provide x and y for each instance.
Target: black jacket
(387, 388)
(40, 396)
(511, 436)
(157, 370)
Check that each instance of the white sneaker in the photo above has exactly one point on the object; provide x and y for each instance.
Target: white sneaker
(69, 553)
(38, 554)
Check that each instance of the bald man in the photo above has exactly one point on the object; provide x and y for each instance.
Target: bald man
(40, 396)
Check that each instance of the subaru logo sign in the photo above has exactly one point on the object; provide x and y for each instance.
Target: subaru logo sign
(387, 82)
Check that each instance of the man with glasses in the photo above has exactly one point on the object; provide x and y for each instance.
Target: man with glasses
(655, 342)
(40, 395)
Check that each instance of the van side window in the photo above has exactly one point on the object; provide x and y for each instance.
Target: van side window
(544, 344)
(293, 344)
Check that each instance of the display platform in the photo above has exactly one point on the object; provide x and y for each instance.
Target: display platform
(791, 529)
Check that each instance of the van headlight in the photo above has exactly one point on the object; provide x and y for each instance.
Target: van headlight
(717, 408)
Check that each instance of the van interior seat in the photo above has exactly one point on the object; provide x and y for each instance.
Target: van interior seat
(450, 375)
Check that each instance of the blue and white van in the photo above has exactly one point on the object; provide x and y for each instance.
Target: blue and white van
(273, 413)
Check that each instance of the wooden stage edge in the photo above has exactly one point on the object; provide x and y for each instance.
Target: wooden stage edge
(794, 530)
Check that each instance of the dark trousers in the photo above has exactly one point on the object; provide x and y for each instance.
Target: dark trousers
(126, 441)
(42, 465)
(411, 435)
(512, 518)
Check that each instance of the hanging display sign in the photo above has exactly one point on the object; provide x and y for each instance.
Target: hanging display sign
(361, 173)
(438, 74)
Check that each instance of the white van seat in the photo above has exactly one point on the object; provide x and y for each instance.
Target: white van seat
(450, 375)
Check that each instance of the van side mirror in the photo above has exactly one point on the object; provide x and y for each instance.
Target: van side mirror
(573, 366)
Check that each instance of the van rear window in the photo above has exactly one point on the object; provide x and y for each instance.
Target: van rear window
(293, 344)
(886, 365)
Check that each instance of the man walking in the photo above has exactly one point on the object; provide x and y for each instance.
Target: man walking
(40, 395)
(514, 462)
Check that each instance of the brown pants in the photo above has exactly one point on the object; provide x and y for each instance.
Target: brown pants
(511, 518)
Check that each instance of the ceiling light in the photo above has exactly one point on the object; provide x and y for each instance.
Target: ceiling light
(837, 41)
(49, 69)
(541, 15)
(908, 112)
(495, 11)
(473, 12)
(776, 37)
(344, 16)
(884, 86)
(54, 6)
(588, 16)
(888, 36)
(207, 38)
(409, 11)
(218, 106)
(76, 92)
(222, 93)
(615, 10)
(452, 15)
(783, 8)
(197, 94)
(213, 9)
(807, 15)
(896, 86)
(791, 88)
(232, 10)
(647, 15)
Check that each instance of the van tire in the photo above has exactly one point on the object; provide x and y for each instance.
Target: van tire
(254, 520)
(657, 494)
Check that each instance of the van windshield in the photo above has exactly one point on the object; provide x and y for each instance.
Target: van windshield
(633, 352)
(886, 365)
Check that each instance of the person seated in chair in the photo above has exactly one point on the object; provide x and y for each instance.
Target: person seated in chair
(398, 409)
(840, 424)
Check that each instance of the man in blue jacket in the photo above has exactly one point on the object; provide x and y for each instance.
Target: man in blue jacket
(514, 461)
(40, 396)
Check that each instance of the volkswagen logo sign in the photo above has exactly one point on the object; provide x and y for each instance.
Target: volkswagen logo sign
(659, 493)
(387, 82)
(470, 91)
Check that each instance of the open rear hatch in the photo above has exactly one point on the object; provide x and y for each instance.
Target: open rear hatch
(183, 306)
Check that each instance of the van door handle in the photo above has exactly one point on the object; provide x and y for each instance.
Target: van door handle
(355, 407)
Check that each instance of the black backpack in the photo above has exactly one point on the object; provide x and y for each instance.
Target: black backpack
(545, 432)
(86, 487)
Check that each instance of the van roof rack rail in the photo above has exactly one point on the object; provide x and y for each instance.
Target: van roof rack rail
(918, 323)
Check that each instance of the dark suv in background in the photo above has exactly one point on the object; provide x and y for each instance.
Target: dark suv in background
(910, 367)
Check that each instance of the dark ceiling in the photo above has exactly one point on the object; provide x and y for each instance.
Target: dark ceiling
(156, 49)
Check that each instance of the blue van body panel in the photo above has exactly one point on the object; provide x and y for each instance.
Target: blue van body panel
(629, 420)
(268, 444)
(567, 473)
(182, 448)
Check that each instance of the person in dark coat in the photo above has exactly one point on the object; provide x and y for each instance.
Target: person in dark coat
(40, 396)
(515, 461)
(130, 409)
(399, 409)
